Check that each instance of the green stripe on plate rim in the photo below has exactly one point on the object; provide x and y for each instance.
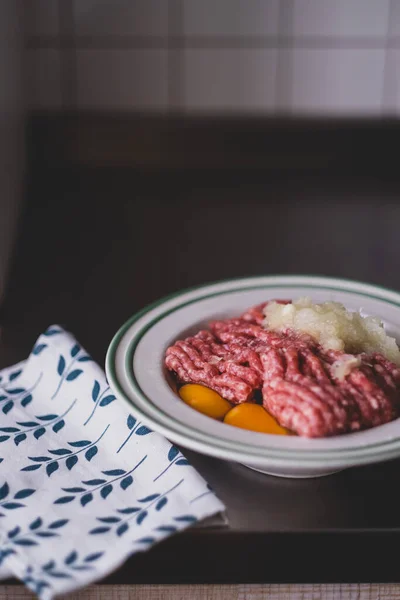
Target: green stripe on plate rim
(237, 448)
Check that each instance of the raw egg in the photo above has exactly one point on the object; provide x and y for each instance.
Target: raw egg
(204, 400)
(255, 418)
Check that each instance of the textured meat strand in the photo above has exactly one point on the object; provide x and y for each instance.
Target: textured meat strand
(305, 397)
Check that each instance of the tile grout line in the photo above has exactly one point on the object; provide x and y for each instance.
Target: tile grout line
(278, 63)
(210, 42)
(175, 68)
(68, 58)
(284, 66)
(386, 91)
(170, 69)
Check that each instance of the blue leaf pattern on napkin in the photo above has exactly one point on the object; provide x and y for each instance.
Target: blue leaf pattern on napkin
(136, 428)
(174, 458)
(99, 399)
(11, 397)
(37, 427)
(78, 473)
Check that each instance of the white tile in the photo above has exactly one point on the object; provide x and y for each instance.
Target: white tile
(230, 80)
(40, 17)
(392, 83)
(394, 24)
(122, 79)
(121, 17)
(284, 80)
(337, 81)
(230, 17)
(42, 78)
(341, 17)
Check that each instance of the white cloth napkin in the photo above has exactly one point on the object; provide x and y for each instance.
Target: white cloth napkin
(83, 483)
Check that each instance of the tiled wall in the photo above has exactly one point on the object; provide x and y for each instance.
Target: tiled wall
(263, 56)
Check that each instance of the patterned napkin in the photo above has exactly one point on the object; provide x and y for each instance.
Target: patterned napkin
(83, 483)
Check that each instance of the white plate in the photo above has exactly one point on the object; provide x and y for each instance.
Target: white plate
(135, 371)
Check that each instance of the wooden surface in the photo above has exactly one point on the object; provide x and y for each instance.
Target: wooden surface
(97, 245)
(223, 592)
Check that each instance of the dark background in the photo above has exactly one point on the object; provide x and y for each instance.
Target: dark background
(99, 240)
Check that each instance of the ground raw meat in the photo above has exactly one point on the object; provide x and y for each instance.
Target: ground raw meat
(238, 356)
(231, 370)
(301, 393)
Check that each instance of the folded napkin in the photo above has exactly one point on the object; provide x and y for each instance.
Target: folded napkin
(83, 483)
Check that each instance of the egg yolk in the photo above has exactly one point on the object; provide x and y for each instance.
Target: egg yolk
(255, 418)
(204, 400)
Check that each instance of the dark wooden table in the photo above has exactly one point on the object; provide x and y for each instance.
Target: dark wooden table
(97, 245)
